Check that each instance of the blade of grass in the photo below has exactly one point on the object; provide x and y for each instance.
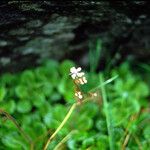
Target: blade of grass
(145, 66)
(39, 138)
(57, 147)
(94, 54)
(98, 87)
(60, 126)
(138, 142)
(71, 111)
(107, 113)
(127, 134)
(105, 82)
(63, 122)
(125, 142)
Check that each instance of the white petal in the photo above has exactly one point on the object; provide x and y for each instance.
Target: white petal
(80, 74)
(72, 69)
(73, 76)
(79, 69)
(80, 96)
(95, 94)
(76, 94)
(84, 80)
(81, 82)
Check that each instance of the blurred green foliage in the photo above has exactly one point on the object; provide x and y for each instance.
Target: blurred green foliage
(38, 99)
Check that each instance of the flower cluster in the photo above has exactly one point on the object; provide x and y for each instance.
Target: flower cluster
(77, 75)
(79, 79)
(79, 94)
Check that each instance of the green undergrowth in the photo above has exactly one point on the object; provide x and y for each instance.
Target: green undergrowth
(40, 98)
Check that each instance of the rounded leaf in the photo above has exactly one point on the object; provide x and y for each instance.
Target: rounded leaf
(9, 106)
(24, 106)
(65, 67)
(2, 93)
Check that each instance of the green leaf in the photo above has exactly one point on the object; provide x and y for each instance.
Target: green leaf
(51, 64)
(124, 69)
(14, 141)
(102, 142)
(65, 67)
(24, 106)
(146, 132)
(40, 74)
(38, 100)
(35, 117)
(45, 108)
(54, 78)
(39, 128)
(27, 77)
(46, 88)
(66, 88)
(80, 136)
(141, 86)
(88, 142)
(72, 144)
(61, 86)
(59, 112)
(26, 119)
(101, 125)
(2, 93)
(118, 132)
(21, 91)
(50, 121)
(84, 123)
(126, 108)
(87, 107)
(30, 131)
(55, 97)
(9, 106)
(93, 81)
(8, 79)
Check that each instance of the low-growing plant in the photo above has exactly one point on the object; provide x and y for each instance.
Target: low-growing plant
(113, 116)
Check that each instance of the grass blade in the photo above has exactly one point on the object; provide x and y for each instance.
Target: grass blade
(94, 54)
(107, 113)
(105, 82)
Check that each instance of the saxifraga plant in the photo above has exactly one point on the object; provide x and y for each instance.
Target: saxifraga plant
(81, 97)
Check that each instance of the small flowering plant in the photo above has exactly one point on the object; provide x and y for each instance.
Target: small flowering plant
(76, 72)
(79, 79)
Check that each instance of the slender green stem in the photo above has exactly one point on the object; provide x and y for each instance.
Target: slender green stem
(107, 113)
(41, 137)
(64, 140)
(105, 83)
(61, 125)
(138, 142)
(125, 141)
(64, 121)
(26, 137)
(74, 106)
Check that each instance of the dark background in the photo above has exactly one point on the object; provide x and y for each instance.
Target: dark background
(31, 31)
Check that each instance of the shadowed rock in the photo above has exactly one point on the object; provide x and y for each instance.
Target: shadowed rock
(33, 31)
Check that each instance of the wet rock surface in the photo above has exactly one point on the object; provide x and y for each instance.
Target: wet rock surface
(32, 31)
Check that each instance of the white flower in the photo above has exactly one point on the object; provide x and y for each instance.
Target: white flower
(94, 94)
(82, 80)
(79, 95)
(75, 73)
